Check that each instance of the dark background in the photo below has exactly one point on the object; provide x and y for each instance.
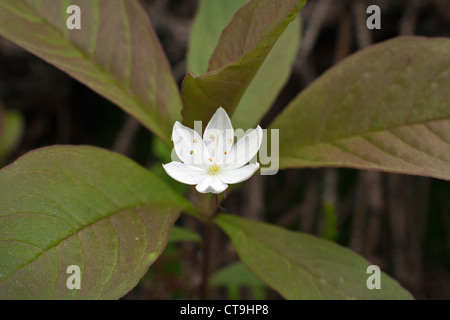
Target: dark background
(399, 222)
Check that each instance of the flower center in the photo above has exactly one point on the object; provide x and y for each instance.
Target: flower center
(214, 169)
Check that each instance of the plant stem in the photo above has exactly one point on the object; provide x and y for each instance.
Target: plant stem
(207, 237)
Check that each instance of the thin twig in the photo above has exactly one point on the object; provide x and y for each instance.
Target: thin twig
(253, 193)
(312, 31)
(124, 139)
(344, 38)
(409, 21)
(363, 35)
(358, 231)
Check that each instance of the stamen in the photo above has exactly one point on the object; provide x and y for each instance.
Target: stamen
(191, 152)
(230, 140)
(210, 159)
(211, 136)
(214, 169)
(225, 152)
(195, 140)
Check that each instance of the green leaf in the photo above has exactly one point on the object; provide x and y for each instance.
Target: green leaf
(116, 53)
(11, 131)
(211, 18)
(84, 206)
(301, 266)
(235, 276)
(237, 58)
(384, 108)
(270, 79)
(180, 234)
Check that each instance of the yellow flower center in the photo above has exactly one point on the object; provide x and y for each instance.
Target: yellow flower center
(214, 169)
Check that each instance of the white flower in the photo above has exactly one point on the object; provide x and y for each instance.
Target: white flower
(215, 161)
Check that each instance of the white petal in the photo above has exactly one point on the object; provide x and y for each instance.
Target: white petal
(211, 184)
(219, 135)
(185, 173)
(219, 121)
(189, 146)
(245, 149)
(240, 174)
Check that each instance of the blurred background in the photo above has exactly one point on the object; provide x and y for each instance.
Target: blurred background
(399, 222)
